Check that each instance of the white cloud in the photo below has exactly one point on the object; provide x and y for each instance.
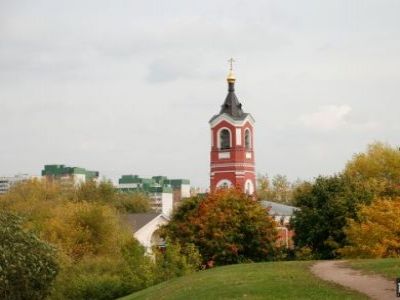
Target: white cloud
(328, 117)
(336, 117)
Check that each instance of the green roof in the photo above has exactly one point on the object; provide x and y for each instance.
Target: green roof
(62, 170)
(175, 183)
(155, 184)
(130, 179)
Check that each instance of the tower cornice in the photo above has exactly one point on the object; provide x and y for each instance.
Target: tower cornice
(235, 122)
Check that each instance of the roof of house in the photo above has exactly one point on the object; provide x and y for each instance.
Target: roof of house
(278, 208)
(137, 221)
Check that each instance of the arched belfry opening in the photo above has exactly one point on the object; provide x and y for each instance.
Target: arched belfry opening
(224, 139)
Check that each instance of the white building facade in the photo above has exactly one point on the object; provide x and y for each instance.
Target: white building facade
(7, 182)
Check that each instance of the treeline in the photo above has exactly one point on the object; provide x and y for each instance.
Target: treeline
(277, 189)
(67, 242)
(355, 213)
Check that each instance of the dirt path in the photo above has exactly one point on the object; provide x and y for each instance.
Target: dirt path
(374, 286)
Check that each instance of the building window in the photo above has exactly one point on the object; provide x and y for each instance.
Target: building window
(247, 139)
(249, 187)
(224, 183)
(225, 139)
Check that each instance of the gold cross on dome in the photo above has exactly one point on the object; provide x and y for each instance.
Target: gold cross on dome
(231, 61)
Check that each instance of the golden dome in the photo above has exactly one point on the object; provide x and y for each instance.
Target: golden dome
(231, 77)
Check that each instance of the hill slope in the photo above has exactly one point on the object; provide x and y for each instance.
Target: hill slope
(389, 267)
(273, 280)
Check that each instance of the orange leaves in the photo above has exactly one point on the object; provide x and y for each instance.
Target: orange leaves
(227, 226)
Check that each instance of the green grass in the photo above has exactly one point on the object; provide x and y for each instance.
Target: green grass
(388, 267)
(273, 280)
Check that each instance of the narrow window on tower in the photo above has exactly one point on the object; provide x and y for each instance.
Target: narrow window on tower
(225, 139)
(248, 191)
(247, 139)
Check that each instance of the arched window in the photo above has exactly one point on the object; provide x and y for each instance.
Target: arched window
(249, 187)
(224, 183)
(247, 139)
(225, 139)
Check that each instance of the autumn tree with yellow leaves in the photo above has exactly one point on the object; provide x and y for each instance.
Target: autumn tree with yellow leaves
(96, 252)
(377, 232)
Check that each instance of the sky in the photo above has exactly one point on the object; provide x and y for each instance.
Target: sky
(128, 87)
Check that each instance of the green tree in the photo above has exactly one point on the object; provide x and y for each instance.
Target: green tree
(28, 265)
(324, 207)
(227, 227)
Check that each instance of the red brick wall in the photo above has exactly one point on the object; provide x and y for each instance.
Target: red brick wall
(237, 169)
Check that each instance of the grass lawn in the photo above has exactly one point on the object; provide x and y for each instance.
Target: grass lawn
(389, 267)
(273, 280)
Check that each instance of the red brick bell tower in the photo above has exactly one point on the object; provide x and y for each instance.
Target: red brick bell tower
(232, 148)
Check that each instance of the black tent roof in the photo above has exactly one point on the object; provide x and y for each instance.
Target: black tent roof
(231, 105)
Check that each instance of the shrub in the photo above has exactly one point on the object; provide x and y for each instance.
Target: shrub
(93, 278)
(304, 253)
(175, 261)
(27, 265)
(140, 268)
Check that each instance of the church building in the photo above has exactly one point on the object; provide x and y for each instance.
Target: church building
(232, 144)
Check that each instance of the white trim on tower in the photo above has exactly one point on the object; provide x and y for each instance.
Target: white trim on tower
(238, 136)
(230, 120)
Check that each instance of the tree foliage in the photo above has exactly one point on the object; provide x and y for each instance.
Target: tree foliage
(377, 170)
(84, 229)
(327, 203)
(28, 265)
(176, 260)
(97, 254)
(92, 191)
(133, 202)
(227, 227)
(125, 202)
(278, 189)
(324, 207)
(376, 233)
